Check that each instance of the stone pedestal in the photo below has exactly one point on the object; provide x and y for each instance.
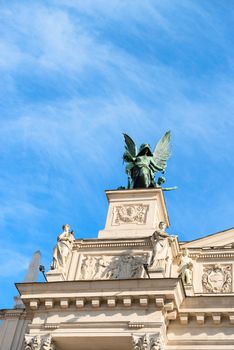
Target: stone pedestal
(189, 291)
(55, 275)
(134, 213)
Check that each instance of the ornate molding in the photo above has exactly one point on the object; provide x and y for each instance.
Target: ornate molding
(223, 255)
(202, 317)
(217, 278)
(38, 342)
(130, 214)
(17, 313)
(117, 244)
(51, 325)
(146, 342)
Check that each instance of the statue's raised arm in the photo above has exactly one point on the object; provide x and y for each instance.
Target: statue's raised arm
(143, 165)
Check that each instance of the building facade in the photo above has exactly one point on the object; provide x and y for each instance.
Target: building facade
(135, 287)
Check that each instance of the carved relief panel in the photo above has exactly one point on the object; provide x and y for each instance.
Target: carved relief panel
(217, 278)
(112, 267)
(129, 214)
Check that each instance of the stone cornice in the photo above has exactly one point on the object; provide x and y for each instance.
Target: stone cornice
(133, 243)
(212, 255)
(12, 313)
(132, 326)
(162, 293)
(202, 317)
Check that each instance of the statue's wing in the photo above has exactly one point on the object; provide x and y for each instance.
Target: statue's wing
(162, 151)
(130, 145)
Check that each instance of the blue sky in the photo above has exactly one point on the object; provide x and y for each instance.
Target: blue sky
(75, 75)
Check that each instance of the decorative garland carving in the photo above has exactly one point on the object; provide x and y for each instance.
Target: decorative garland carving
(129, 214)
(217, 278)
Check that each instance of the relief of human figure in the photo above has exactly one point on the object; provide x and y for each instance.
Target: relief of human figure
(185, 268)
(63, 249)
(160, 247)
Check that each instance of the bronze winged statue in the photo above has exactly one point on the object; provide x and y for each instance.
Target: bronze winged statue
(143, 165)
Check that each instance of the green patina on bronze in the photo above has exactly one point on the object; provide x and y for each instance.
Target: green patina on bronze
(143, 165)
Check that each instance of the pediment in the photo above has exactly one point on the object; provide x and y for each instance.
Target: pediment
(219, 239)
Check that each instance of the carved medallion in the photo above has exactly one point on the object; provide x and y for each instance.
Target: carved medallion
(130, 214)
(217, 278)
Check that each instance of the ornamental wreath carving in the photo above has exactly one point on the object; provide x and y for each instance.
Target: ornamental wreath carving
(217, 278)
(130, 214)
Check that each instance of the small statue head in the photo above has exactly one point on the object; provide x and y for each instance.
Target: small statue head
(186, 252)
(162, 225)
(66, 228)
(145, 150)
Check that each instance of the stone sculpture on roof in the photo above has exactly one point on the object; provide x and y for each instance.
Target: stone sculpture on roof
(63, 249)
(186, 267)
(143, 165)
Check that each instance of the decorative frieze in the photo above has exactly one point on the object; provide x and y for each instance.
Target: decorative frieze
(135, 325)
(217, 278)
(123, 244)
(130, 214)
(112, 267)
(218, 255)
